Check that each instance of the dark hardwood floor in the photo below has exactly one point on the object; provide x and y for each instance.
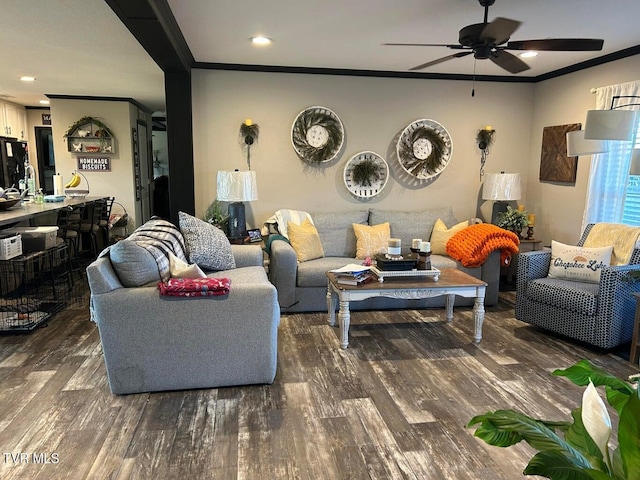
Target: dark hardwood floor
(393, 405)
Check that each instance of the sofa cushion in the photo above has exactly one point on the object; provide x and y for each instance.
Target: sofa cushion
(337, 237)
(409, 225)
(579, 297)
(578, 263)
(206, 244)
(134, 265)
(441, 235)
(305, 241)
(314, 273)
(371, 239)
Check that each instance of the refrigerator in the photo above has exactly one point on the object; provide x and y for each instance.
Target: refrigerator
(13, 154)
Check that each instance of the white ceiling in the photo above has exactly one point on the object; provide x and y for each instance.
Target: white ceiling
(80, 47)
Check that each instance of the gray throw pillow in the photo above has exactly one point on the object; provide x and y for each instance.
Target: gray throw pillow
(206, 244)
(134, 265)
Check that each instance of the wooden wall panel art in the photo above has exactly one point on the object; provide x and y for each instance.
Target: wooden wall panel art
(555, 165)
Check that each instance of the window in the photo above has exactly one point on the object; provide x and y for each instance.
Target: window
(631, 211)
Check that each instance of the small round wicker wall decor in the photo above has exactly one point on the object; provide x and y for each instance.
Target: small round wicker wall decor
(366, 174)
(424, 149)
(317, 135)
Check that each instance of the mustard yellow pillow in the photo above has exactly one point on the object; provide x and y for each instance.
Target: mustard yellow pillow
(441, 235)
(371, 240)
(305, 240)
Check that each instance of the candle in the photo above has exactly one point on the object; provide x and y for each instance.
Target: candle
(425, 247)
(394, 246)
(248, 122)
(521, 208)
(415, 243)
(531, 219)
(488, 128)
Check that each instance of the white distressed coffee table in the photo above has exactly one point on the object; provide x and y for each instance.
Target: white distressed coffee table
(451, 282)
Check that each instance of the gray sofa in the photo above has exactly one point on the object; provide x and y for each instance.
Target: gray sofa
(153, 343)
(302, 287)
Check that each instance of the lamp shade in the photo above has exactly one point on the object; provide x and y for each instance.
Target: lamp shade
(578, 145)
(237, 186)
(502, 186)
(610, 124)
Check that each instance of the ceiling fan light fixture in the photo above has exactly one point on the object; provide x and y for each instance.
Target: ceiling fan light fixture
(529, 54)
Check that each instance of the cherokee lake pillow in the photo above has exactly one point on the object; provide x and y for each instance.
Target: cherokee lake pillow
(371, 240)
(578, 263)
(206, 244)
(305, 240)
(441, 235)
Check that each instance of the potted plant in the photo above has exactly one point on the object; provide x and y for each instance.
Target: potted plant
(512, 220)
(579, 449)
(216, 216)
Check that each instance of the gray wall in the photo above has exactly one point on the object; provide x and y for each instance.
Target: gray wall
(374, 111)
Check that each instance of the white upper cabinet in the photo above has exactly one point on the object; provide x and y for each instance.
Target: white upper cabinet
(13, 121)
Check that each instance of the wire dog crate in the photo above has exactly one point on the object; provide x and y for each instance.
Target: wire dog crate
(33, 287)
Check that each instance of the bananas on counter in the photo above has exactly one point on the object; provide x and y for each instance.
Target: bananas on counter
(74, 182)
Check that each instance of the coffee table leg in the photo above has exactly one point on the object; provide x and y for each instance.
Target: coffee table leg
(331, 305)
(344, 316)
(478, 317)
(449, 301)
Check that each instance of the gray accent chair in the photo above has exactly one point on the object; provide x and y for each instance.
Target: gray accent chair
(600, 314)
(154, 343)
(302, 287)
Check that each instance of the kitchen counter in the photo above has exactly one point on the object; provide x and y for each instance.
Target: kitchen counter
(30, 210)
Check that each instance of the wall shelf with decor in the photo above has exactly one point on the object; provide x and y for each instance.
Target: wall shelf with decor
(90, 135)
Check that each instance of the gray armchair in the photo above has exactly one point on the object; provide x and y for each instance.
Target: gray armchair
(600, 314)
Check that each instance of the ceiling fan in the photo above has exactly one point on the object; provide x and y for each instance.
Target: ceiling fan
(491, 40)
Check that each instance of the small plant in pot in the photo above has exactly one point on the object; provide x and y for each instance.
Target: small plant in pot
(513, 220)
(216, 216)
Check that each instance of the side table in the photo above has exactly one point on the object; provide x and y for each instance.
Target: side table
(510, 273)
(634, 355)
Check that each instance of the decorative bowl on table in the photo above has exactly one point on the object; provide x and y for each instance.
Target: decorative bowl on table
(76, 193)
(8, 203)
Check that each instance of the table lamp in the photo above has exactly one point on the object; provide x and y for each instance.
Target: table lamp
(501, 188)
(237, 187)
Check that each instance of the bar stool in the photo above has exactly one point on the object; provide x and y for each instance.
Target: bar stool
(69, 221)
(104, 220)
(90, 225)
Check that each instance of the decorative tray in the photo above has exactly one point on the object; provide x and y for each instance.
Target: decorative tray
(381, 274)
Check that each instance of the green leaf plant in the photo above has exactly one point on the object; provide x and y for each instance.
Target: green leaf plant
(580, 449)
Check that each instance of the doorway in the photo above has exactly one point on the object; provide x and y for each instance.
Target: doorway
(46, 159)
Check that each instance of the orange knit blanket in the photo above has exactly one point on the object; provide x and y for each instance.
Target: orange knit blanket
(472, 245)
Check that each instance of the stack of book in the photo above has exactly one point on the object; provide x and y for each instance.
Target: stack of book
(353, 274)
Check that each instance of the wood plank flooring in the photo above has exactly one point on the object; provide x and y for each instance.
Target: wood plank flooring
(394, 405)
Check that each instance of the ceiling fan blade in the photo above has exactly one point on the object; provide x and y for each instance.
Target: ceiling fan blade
(440, 60)
(499, 31)
(558, 44)
(509, 62)
(423, 45)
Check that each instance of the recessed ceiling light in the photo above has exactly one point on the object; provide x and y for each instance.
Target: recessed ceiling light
(260, 40)
(45, 102)
(529, 54)
(27, 78)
